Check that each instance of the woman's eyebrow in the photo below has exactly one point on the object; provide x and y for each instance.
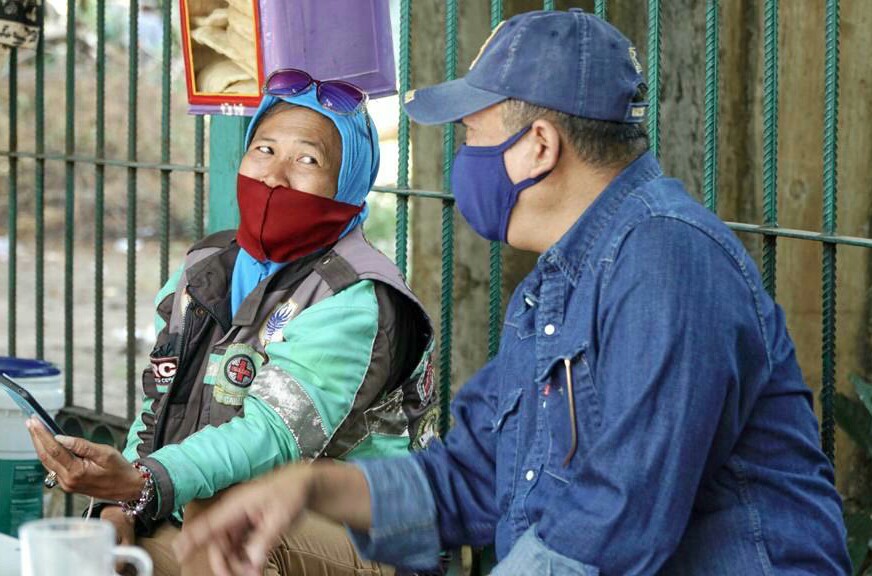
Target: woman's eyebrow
(314, 144)
(319, 146)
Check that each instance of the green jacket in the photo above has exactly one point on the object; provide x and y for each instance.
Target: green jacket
(328, 357)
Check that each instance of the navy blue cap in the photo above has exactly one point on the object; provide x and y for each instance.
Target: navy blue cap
(571, 61)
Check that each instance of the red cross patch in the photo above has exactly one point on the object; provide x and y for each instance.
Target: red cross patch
(240, 370)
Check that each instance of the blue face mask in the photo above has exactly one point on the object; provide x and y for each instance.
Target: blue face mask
(484, 193)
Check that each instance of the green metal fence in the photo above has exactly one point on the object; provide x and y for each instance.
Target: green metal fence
(80, 419)
(228, 133)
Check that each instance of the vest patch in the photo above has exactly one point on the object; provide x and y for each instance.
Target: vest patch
(164, 369)
(239, 368)
(428, 429)
(272, 329)
(425, 385)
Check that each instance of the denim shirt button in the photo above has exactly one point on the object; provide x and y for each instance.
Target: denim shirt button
(530, 475)
(550, 329)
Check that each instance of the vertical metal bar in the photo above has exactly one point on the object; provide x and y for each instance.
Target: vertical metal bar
(132, 107)
(69, 209)
(39, 207)
(601, 9)
(712, 48)
(402, 237)
(495, 295)
(165, 142)
(496, 13)
(770, 140)
(831, 188)
(654, 31)
(70, 176)
(199, 161)
(447, 300)
(13, 197)
(99, 208)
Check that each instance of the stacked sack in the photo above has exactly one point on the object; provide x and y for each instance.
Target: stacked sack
(225, 52)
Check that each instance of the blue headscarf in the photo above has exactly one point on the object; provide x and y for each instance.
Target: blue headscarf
(357, 173)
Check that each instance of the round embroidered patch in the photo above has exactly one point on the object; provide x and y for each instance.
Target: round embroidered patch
(240, 370)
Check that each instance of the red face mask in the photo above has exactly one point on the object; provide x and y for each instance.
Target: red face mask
(282, 224)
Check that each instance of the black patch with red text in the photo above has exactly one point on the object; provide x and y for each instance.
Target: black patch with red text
(164, 369)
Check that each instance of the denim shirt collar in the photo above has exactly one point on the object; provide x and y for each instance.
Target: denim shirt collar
(571, 250)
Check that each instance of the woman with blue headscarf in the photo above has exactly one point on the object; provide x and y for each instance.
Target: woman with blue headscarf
(290, 338)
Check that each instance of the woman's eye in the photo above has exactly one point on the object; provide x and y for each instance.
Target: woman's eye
(265, 150)
(308, 160)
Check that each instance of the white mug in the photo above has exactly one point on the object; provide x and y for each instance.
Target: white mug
(61, 546)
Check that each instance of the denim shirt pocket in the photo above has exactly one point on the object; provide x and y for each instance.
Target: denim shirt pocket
(523, 320)
(507, 427)
(570, 399)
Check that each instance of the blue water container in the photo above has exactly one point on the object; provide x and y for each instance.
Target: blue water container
(21, 473)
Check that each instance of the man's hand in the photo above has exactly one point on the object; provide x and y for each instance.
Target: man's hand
(124, 526)
(84, 467)
(241, 529)
(248, 521)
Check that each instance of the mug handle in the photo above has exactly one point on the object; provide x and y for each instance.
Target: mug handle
(136, 556)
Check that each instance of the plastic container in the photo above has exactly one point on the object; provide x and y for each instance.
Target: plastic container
(21, 473)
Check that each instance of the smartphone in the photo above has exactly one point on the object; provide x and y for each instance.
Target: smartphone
(28, 404)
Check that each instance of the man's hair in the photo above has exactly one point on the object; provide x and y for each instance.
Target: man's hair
(599, 143)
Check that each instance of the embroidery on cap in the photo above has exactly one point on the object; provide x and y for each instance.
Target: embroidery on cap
(634, 57)
(271, 331)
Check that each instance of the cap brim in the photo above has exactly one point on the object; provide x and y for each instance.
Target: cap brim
(448, 102)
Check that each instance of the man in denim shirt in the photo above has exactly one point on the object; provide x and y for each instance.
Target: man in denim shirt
(645, 413)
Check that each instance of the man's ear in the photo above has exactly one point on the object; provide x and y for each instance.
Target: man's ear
(546, 151)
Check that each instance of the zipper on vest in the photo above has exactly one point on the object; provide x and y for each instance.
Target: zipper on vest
(160, 425)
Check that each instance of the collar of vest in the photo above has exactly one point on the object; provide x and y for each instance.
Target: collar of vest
(351, 259)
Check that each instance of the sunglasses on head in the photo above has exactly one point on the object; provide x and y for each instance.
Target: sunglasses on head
(334, 95)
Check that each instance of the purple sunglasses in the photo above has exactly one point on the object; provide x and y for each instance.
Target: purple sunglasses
(335, 95)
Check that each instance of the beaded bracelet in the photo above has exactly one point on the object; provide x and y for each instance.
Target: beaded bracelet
(133, 508)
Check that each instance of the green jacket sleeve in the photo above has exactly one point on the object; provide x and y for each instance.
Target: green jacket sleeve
(295, 403)
(142, 431)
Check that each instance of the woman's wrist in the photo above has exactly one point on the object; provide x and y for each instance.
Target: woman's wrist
(138, 503)
(113, 511)
(134, 484)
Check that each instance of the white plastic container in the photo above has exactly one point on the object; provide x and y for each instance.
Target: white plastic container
(21, 473)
